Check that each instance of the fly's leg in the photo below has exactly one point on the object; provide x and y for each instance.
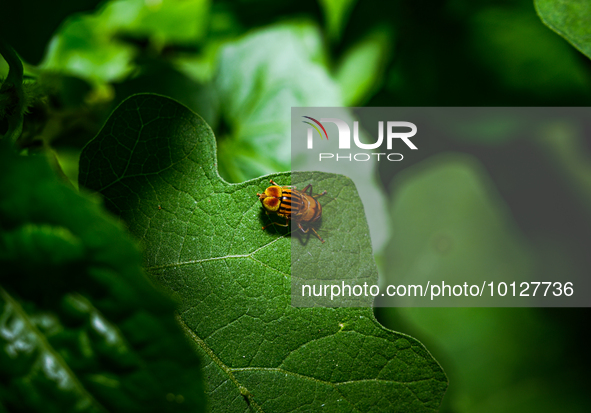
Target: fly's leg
(305, 231)
(277, 223)
(284, 186)
(315, 233)
(309, 189)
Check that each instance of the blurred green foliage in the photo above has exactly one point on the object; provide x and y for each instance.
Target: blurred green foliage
(28, 25)
(449, 221)
(524, 55)
(336, 14)
(260, 78)
(242, 64)
(446, 213)
(81, 328)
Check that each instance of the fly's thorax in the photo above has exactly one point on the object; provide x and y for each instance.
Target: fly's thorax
(290, 203)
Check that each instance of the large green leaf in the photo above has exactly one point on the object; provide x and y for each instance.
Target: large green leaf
(155, 163)
(81, 327)
(569, 18)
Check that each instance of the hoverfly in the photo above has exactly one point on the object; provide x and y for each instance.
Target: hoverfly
(289, 203)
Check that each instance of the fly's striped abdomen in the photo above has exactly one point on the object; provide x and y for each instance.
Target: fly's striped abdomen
(311, 211)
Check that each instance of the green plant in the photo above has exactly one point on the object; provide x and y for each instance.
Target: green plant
(203, 242)
(76, 293)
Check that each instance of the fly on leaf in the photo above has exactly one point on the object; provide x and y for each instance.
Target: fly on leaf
(288, 202)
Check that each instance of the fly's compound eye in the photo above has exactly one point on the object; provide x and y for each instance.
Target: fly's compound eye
(271, 203)
(274, 191)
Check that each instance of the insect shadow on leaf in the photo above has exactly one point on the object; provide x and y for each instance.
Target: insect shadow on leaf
(304, 237)
(268, 220)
